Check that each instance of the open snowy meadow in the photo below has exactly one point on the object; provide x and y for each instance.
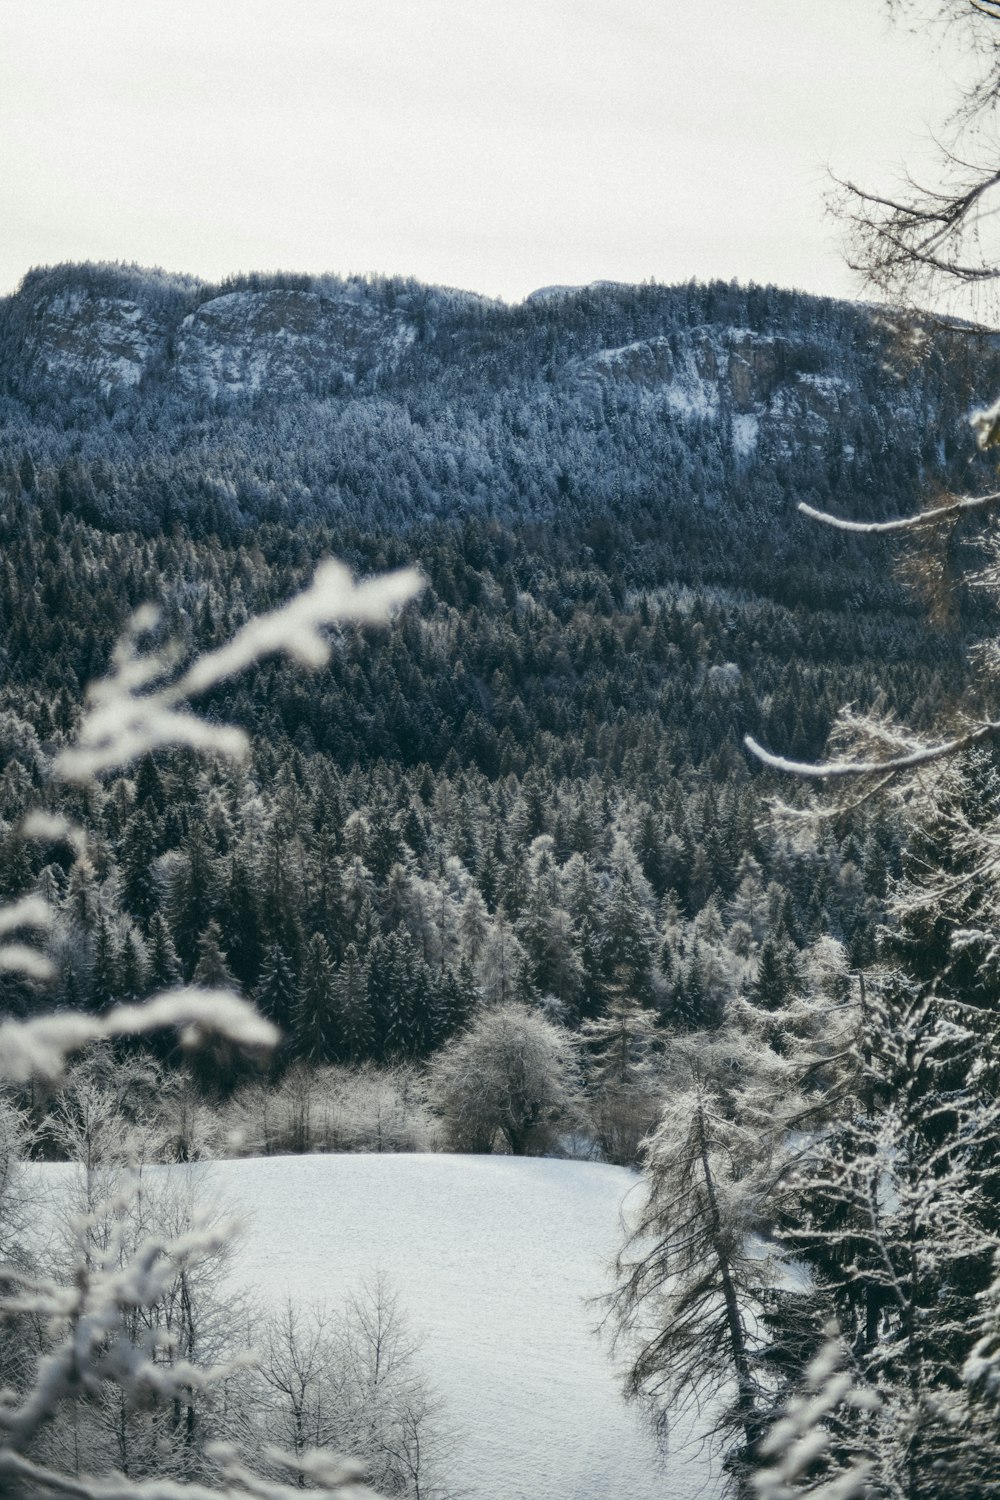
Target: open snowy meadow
(496, 1262)
(494, 1259)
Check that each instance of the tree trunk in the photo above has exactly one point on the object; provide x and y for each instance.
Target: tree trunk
(734, 1320)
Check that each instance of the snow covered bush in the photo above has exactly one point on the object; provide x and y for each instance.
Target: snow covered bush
(511, 1077)
(330, 1109)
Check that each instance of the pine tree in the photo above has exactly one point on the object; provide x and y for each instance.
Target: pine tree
(164, 965)
(777, 975)
(316, 1031)
(353, 1010)
(105, 973)
(276, 990)
(629, 940)
(139, 894)
(193, 893)
(239, 917)
(134, 966)
(623, 1086)
(212, 971)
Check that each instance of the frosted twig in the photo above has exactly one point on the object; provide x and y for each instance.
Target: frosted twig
(135, 710)
(839, 770)
(143, 704)
(52, 828)
(240, 1485)
(801, 1437)
(39, 1048)
(902, 523)
(985, 423)
(30, 911)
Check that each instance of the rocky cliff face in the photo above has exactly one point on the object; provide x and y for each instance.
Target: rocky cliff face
(289, 342)
(794, 387)
(90, 342)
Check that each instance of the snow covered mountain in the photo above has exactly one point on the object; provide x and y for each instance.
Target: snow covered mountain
(429, 402)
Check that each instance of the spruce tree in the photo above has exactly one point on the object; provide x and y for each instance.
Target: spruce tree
(164, 965)
(894, 1209)
(212, 971)
(139, 894)
(350, 994)
(316, 1031)
(277, 988)
(105, 972)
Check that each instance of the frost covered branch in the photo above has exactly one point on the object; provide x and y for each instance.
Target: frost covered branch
(40, 1048)
(838, 770)
(139, 707)
(339, 1479)
(965, 506)
(105, 1334)
(800, 1438)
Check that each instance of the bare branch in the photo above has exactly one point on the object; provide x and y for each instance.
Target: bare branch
(839, 770)
(903, 523)
(39, 1048)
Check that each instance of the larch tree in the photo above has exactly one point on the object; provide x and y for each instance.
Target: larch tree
(693, 1277)
(895, 1205)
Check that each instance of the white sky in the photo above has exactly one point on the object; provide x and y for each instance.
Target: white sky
(498, 145)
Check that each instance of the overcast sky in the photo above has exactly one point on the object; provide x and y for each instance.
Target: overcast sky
(497, 145)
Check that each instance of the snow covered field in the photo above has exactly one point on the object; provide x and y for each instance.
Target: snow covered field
(493, 1258)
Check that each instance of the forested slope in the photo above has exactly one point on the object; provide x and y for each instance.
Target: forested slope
(533, 786)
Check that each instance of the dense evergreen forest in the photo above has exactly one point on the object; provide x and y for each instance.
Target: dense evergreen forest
(534, 784)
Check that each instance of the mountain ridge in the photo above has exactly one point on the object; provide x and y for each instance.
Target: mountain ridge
(151, 397)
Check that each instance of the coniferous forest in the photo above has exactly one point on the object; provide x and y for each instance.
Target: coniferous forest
(537, 776)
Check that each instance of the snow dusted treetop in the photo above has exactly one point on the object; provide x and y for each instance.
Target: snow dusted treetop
(142, 705)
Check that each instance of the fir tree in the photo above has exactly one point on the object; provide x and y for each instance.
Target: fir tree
(276, 990)
(350, 995)
(316, 1033)
(164, 965)
(212, 971)
(139, 894)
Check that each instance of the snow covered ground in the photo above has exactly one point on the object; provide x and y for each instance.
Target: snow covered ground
(493, 1259)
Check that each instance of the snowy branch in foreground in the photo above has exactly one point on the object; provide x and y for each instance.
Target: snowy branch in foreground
(17, 957)
(40, 1048)
(52, 828)
(94, 1349)
(839, 770)
(985, 421)
(801, 1438)
(339, 1482)
(139, 707)
(902, 523)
